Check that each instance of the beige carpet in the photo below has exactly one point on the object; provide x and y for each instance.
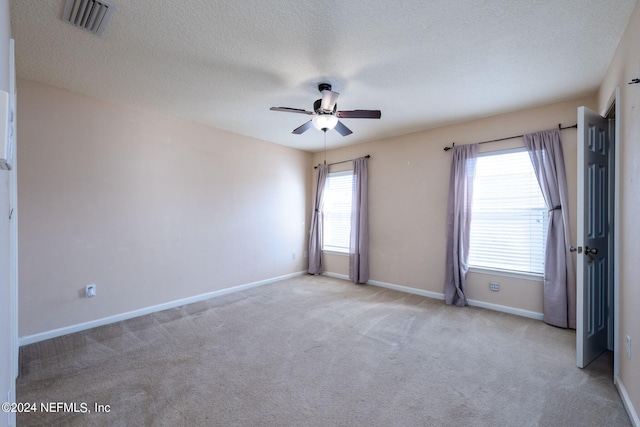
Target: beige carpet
(317, 351)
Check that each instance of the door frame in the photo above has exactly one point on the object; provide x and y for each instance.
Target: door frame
(613, 108)
(611, 113)
(13, 224)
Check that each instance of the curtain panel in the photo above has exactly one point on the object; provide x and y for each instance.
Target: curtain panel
(359, 238)
(463, 166)
(315, 233)
(545, 150)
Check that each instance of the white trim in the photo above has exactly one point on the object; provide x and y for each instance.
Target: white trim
(346, 172)
(490, 148)
(506, 309)
(335, 252)
(337, 183)
(400, 288)
(30, 339)
(487, 253)
(335, 275)
(626, 400)
(507, 273)
(13, 226)
(499, 151)
(408, 290)
(439, 296)
(616, 235)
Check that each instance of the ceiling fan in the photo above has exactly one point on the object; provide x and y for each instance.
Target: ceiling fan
(325, 114)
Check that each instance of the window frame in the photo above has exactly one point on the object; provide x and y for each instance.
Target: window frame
(496, 270)
(339, 250)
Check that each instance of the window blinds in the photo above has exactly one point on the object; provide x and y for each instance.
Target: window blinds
(336, 211)
(509, 216)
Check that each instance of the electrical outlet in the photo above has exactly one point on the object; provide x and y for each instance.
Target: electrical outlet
(306, 254)
(494, 286)
(628, 347)
(90, 291)
(293, 255)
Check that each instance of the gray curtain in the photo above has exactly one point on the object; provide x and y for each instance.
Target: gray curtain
(315, 234)
(463, 167)
(359, 241)
(545, 150)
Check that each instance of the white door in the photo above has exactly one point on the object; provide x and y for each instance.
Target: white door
(592, 278)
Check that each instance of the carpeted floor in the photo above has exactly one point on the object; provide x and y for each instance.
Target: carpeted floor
(318, 351)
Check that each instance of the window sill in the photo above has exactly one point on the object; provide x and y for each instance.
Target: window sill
(334, 252)
(507, 273)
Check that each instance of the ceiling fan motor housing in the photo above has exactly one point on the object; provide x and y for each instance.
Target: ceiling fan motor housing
(318, 110)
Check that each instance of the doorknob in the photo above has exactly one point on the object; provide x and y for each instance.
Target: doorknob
(592, 251)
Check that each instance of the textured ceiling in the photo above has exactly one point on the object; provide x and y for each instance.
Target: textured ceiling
(424, 63)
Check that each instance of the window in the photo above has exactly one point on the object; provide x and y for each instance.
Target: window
(509, 216)
(336, 212)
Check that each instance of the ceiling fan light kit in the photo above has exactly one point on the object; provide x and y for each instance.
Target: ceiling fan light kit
(326, 115)
(325, 122)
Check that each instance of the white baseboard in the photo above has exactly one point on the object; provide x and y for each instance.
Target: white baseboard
(407, 289)
(626, 400)
(439, 296)
(506, 309)
(30, 339)
(335, 275)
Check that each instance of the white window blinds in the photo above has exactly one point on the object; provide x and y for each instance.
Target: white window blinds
(336, 212)
(509, 215)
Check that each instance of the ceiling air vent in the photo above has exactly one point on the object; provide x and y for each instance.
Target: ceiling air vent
(92, 15)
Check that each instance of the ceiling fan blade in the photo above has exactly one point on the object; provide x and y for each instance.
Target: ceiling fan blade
(329, 99)
(303, 128)
(291, 110)
(359, 114)
(342, 129)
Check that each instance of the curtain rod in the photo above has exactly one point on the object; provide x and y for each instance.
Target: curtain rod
(344, 161)
(513, 137)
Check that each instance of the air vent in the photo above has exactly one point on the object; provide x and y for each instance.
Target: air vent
(91, 15)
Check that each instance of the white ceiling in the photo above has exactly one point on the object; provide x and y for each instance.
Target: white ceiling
(424, 63)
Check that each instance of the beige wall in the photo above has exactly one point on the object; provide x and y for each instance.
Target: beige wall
(151, 209)
(408, 187)
(624, 67)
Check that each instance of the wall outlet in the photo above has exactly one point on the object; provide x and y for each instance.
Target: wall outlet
(628, 347)
(494, 286)
(90, 291)
(293, 255)
(306, 254)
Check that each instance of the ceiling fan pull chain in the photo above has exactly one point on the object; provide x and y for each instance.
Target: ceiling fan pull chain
(325, 147)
